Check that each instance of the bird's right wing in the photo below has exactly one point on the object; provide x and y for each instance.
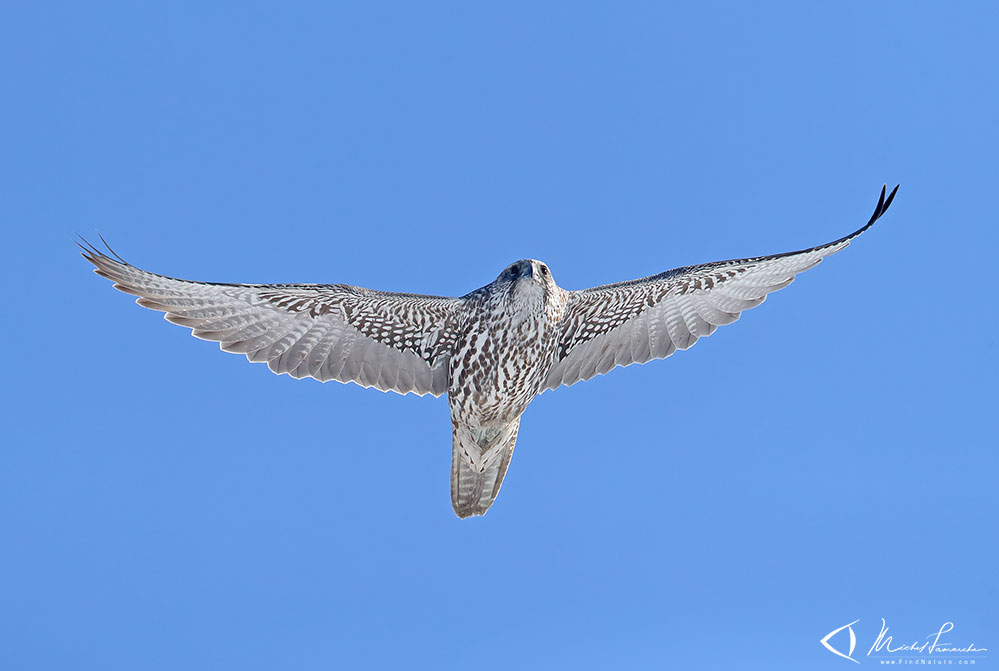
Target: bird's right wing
(393, 342)
(650, 318)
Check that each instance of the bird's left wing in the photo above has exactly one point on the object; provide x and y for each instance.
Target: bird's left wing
(652, 317)
(393, 342)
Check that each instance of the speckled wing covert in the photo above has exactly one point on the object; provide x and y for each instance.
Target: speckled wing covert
(650, 318)
(393, 342)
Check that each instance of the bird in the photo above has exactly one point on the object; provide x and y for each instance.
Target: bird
(492, 351)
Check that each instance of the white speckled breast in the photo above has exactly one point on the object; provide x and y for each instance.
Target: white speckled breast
(503, 353)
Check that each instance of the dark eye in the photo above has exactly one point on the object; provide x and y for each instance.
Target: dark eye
(544, 270)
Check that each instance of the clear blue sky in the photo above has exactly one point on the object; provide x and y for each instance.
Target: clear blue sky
(829, 457)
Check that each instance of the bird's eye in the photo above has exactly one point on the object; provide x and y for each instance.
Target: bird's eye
(544, 270)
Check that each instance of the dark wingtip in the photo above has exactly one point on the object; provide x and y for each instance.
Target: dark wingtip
(891, 197)
(883, 203)
(878, 208)
(113, 253)
(91, 252)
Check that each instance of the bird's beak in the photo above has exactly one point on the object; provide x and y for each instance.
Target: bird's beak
(529, 271)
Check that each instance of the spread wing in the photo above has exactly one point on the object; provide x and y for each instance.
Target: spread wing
(393, 342)
(650, 318)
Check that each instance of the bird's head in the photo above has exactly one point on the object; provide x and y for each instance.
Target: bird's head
(527, 281)
(526, 275)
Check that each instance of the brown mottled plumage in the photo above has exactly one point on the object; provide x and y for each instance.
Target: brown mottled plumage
(505, 348)
(492, 351)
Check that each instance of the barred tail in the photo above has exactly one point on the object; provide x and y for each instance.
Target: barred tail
(479, 459)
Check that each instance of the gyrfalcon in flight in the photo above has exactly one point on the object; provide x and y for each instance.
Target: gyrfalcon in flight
(491, 351)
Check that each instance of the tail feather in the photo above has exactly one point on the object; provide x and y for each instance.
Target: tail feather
(479, 460)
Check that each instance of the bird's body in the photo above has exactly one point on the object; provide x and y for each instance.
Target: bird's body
(492, 351)
(504, 351)
(506, 345)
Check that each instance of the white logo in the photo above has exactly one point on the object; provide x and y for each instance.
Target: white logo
(853, 641)
(930, 650)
